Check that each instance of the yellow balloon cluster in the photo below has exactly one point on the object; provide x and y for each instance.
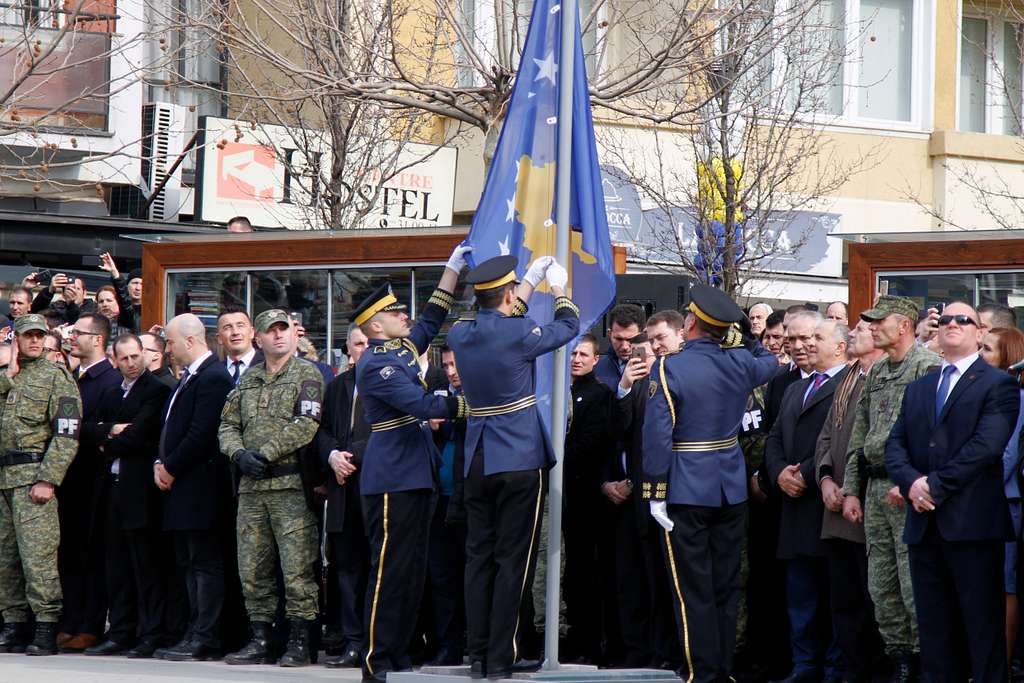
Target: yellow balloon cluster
(711, 188)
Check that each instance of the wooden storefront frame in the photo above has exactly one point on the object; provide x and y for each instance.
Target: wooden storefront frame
(261, 252)
(867, 260)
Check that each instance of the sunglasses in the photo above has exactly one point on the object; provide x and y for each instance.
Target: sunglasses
(960, 320)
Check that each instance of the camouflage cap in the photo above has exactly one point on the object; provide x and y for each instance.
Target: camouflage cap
(268, 318)
(888, 304)
(30, 321)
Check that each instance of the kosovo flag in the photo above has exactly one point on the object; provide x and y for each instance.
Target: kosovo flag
(516, 214)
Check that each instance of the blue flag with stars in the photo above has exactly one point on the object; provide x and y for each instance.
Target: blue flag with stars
(516, 214)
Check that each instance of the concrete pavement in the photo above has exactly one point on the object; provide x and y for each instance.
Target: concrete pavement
(82, 669)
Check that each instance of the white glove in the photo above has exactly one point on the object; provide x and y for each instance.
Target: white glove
(557, 276)
(457, 261)
(659, 510)
(535, 273)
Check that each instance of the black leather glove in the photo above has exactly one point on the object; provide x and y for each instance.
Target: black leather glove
(251, 463)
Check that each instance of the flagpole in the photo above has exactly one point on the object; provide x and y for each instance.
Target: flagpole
(559, 398)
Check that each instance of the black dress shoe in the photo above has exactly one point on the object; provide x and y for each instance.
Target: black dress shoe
(349, 660)
(143, 650)
(477, 669)
(187, 651)
(105, 649)
(526, 665)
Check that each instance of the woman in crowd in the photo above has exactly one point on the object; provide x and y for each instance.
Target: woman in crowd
(107, 306)
(1002, 347)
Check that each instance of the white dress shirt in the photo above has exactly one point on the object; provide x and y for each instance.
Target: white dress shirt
(961, 368)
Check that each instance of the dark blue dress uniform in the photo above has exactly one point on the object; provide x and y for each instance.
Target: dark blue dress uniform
(692, 460)
(508, 452)
(399, 477)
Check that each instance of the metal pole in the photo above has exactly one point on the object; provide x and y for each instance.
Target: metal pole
(567, 15)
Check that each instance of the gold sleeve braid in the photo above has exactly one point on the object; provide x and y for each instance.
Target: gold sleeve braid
(444, 299)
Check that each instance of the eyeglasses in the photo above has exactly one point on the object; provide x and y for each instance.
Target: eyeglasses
(960, 320)
(79, 333)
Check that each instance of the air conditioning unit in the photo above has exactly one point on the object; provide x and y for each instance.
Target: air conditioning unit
(163, 140)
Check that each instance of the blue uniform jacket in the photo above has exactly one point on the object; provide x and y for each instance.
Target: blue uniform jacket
(400, 454)
(697, 400)
(495, 355)
(608, 371)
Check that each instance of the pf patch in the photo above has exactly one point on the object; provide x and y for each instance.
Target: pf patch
(309, 402)
(68, 420)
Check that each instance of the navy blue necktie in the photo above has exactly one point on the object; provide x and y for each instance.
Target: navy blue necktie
(942, 393)
(236, 373)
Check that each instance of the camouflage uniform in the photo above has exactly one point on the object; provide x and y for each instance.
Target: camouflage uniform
(752, 440)
(276, 415)
(888, 565)
(40, 413)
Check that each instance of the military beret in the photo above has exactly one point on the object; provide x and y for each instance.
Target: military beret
(492, 273)
(30, 321)
(888, 304)
(265, 320)
(714, 306)
(382, 299)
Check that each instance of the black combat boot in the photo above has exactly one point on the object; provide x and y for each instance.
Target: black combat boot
(14, 637)
(257, 650)
(45, 642)
(297, 653)
(905, 670)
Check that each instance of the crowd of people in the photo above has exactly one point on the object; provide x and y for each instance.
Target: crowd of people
(773, 496)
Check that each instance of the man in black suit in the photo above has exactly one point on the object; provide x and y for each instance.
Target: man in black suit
(340, 443)
(153, 347)
(194, 478)
(945, 455)
(644, 605)
(81, 556)
(235, 333)
(789, 458)
(136, 568)
(768, 644)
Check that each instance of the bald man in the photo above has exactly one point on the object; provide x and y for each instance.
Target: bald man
(194, 478)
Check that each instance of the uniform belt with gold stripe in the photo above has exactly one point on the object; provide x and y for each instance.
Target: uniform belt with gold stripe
(512, 407)
(691, 446)
(393, 424)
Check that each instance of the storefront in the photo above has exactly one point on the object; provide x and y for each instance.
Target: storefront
(320, 276)
(935, 268)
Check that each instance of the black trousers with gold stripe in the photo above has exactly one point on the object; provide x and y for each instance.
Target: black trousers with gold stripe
(702, 554)
(503, 515)
(398, 526)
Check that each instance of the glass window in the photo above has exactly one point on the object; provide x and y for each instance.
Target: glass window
(426, 282)
(302, 292)
(886, 56)
(1012, 74)
(1003, 288)
(816, 54)
(205, 294)
(349, 288)
(932, 288)
(973, 61)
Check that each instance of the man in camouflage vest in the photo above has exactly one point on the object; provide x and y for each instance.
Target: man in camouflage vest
(40, 418)
(892, 329)
(273, 412)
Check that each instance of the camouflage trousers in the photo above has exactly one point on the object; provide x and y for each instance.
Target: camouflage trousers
(29, 536)
(889, 570)
(271, 523)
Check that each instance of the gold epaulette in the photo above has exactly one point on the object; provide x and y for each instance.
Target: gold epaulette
(389, 345)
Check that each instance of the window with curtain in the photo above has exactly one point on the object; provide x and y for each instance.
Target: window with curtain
(973, 63)
(886, 56)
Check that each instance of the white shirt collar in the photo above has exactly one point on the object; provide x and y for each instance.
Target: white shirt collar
(246, 360)
(126, 386)
(804, 374)
(82, 369)
(194, 366)
(962, 364)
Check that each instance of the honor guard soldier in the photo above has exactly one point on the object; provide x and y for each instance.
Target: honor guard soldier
(508, 451)
(40, 419)
(695, 474)
(272, 413)
(400, 466)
